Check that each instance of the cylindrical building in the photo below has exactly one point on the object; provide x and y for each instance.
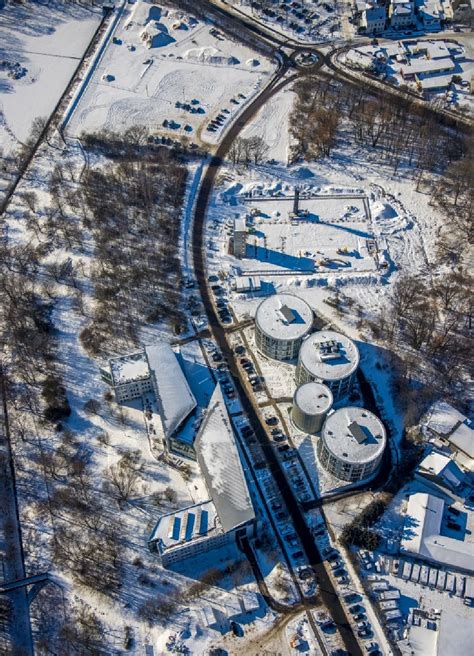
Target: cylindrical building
(311, 403)
(330, 358)
(351, 443)
(281, 322)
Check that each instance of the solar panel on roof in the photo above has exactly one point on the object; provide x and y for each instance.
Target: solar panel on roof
(204, 522)
(176, 527)
(357, 432)
(190, 518)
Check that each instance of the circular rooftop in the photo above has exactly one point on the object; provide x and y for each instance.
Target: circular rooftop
(354, 435)
(284, 317)
(328, 355)
(313, 398)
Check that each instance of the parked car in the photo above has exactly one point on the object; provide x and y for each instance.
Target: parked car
(271, 421)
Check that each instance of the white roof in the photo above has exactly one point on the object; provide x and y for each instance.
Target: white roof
(271, 319)
(128, 368)
(462, 438)
(219, 460)
(313, 398)
(421, 534)
(444, 418)
(240, 225)
(173, 394)
(420, 66)
(339, 362)
(439, 464)
(193, 523)
(354, 435)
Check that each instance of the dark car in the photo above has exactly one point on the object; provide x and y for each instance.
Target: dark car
(271, 421)
(283, 447)
(297, 554)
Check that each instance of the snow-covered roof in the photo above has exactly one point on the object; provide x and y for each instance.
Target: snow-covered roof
(375, 13)
(421, 534)
(173, 394)
(440, 465)
(462, 438)
(271, 317)
(239, 225)
(191, 523)
(313, 398)
(425, 66)
(128, 368)
(328, 355)
(354, 435)
(220, 464)
(443, 418)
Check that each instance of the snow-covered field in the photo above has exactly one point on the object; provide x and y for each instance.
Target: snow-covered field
(41, 46)
(169, 73)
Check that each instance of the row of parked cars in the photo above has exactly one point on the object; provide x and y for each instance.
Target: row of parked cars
(221, 300)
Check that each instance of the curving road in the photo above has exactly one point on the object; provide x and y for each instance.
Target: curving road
(328, 593)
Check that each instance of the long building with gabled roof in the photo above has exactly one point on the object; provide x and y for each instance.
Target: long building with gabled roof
(228, 513)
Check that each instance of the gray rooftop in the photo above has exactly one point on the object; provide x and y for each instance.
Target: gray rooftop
(284, 316)
(220, 464)
(354, 435)
(328, 355)
(173, 394)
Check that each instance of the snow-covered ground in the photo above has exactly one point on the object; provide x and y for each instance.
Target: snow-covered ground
(170, 73)
(41, 46)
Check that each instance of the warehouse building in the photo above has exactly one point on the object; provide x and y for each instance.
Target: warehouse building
(330, 358)
(311, 403)
(281, 323)
(352, 443)
(228, 514)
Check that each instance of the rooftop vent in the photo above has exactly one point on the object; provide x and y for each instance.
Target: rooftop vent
(329, 350)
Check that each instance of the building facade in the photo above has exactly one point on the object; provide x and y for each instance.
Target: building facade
(352, 443)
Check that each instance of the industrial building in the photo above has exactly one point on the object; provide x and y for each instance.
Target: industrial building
(330, 358)
(311, 403)
(228, 514)
(281, 323)
(352, 443)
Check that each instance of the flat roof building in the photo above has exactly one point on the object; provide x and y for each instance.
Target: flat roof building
(352, 444)
(330, 358)
(311, 403)
(129, 375)
(281, 323)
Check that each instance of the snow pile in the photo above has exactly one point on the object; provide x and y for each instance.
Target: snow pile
(210, 55)
(156, 36)
(252, 62)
